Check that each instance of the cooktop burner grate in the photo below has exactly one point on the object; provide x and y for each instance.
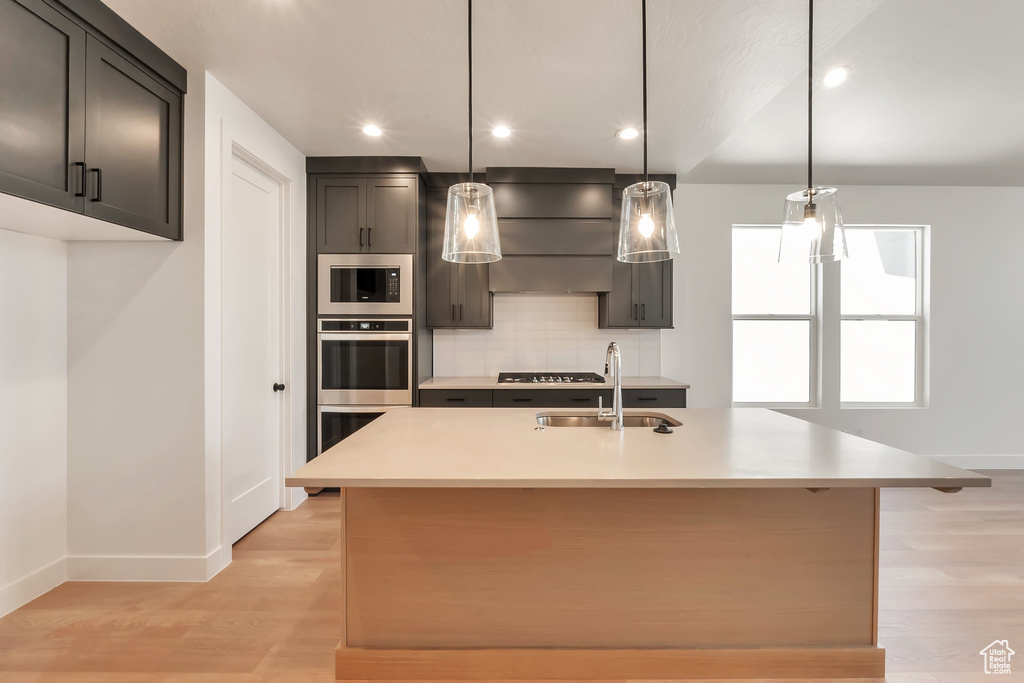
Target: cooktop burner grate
(550, 378)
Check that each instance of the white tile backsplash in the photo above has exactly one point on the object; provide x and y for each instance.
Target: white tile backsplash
(543, 333)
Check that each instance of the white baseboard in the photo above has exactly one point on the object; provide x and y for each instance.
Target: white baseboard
(217, 561)
(983, 462)
(148, 568)
(28, 588)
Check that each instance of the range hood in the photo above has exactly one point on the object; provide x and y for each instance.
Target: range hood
(551, 274)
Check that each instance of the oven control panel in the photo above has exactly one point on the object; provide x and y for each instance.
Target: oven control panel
(365, 325)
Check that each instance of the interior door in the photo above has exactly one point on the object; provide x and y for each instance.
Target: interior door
(251, 363)
(133, 145)
(42, 104)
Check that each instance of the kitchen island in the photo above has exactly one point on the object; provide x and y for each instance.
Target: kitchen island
(478, 545)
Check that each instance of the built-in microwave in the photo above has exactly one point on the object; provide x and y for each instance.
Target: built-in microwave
(364, 284)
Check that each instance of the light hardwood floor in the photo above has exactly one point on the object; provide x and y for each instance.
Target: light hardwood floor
(951, 574)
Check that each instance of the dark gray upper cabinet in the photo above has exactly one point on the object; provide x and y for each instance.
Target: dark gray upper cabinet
(42, 104)
(641, 296)
(641, 293)
(655, 295)
(458, 295)
(475, 307)
(442, 277)
(133, 133)
(87, 127)
(391, 214)
(366, 214)
(340, 215)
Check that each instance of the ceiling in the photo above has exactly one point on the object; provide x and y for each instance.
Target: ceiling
(933, 96)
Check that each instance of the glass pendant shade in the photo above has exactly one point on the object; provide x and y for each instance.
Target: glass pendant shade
(812, 230)
(471, 225)
(647, 229)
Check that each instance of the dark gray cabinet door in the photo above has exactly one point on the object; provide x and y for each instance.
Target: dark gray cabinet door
(42, 104)
(474, 296)
(391, 215)
(340, 215)
(620, 307)
(655, 293)
(442, 281)
(133, 131)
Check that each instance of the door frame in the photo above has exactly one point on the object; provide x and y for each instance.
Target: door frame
(285, 422)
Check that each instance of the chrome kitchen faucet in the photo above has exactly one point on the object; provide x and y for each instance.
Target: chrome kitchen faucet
(613, 362)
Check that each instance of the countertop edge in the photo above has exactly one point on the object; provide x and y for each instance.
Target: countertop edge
(487, 383)
(980, 481)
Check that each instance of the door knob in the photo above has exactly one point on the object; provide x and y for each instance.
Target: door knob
(278, 387)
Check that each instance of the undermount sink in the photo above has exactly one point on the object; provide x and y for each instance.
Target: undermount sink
(629, 420)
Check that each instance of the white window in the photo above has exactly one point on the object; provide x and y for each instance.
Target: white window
(774, 322)
(862, 320)
(882, 328)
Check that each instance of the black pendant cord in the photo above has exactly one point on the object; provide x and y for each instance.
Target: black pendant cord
(469, 24)
(810, 91)
(643, 20)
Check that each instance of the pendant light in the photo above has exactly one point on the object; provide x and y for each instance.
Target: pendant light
(812, 226)
(647, 228)
(471, 223)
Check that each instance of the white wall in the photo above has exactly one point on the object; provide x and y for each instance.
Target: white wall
(976, 329)
(33, 410)
(230, 123)
(136, 459)
(543, 332)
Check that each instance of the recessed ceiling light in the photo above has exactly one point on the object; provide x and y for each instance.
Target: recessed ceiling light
(627, 133)
(835, 77)
(501, 131)
(372, 130)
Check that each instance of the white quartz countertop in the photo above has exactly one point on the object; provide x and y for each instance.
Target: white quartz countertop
(492, 383)
(714, 448)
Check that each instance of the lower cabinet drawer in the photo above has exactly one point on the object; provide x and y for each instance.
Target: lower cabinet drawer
(550, 398)
(654, 398)
(455, 398)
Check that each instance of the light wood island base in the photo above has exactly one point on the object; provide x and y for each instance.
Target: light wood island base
(557, 583)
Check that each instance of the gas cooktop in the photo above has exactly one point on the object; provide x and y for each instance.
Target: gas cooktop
(549, 378)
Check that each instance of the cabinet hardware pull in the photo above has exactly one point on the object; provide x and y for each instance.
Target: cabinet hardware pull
(455, 399)
(278, 386)
(453, 311)
(643, 311)
(460, 311)
(360, 237)
(575, 398)
(522, 400)
(634, 311)
(369, 237)
(81, 179)
(646, 398)
(98, 196)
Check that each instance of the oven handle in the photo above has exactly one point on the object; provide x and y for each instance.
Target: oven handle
(346, 336)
